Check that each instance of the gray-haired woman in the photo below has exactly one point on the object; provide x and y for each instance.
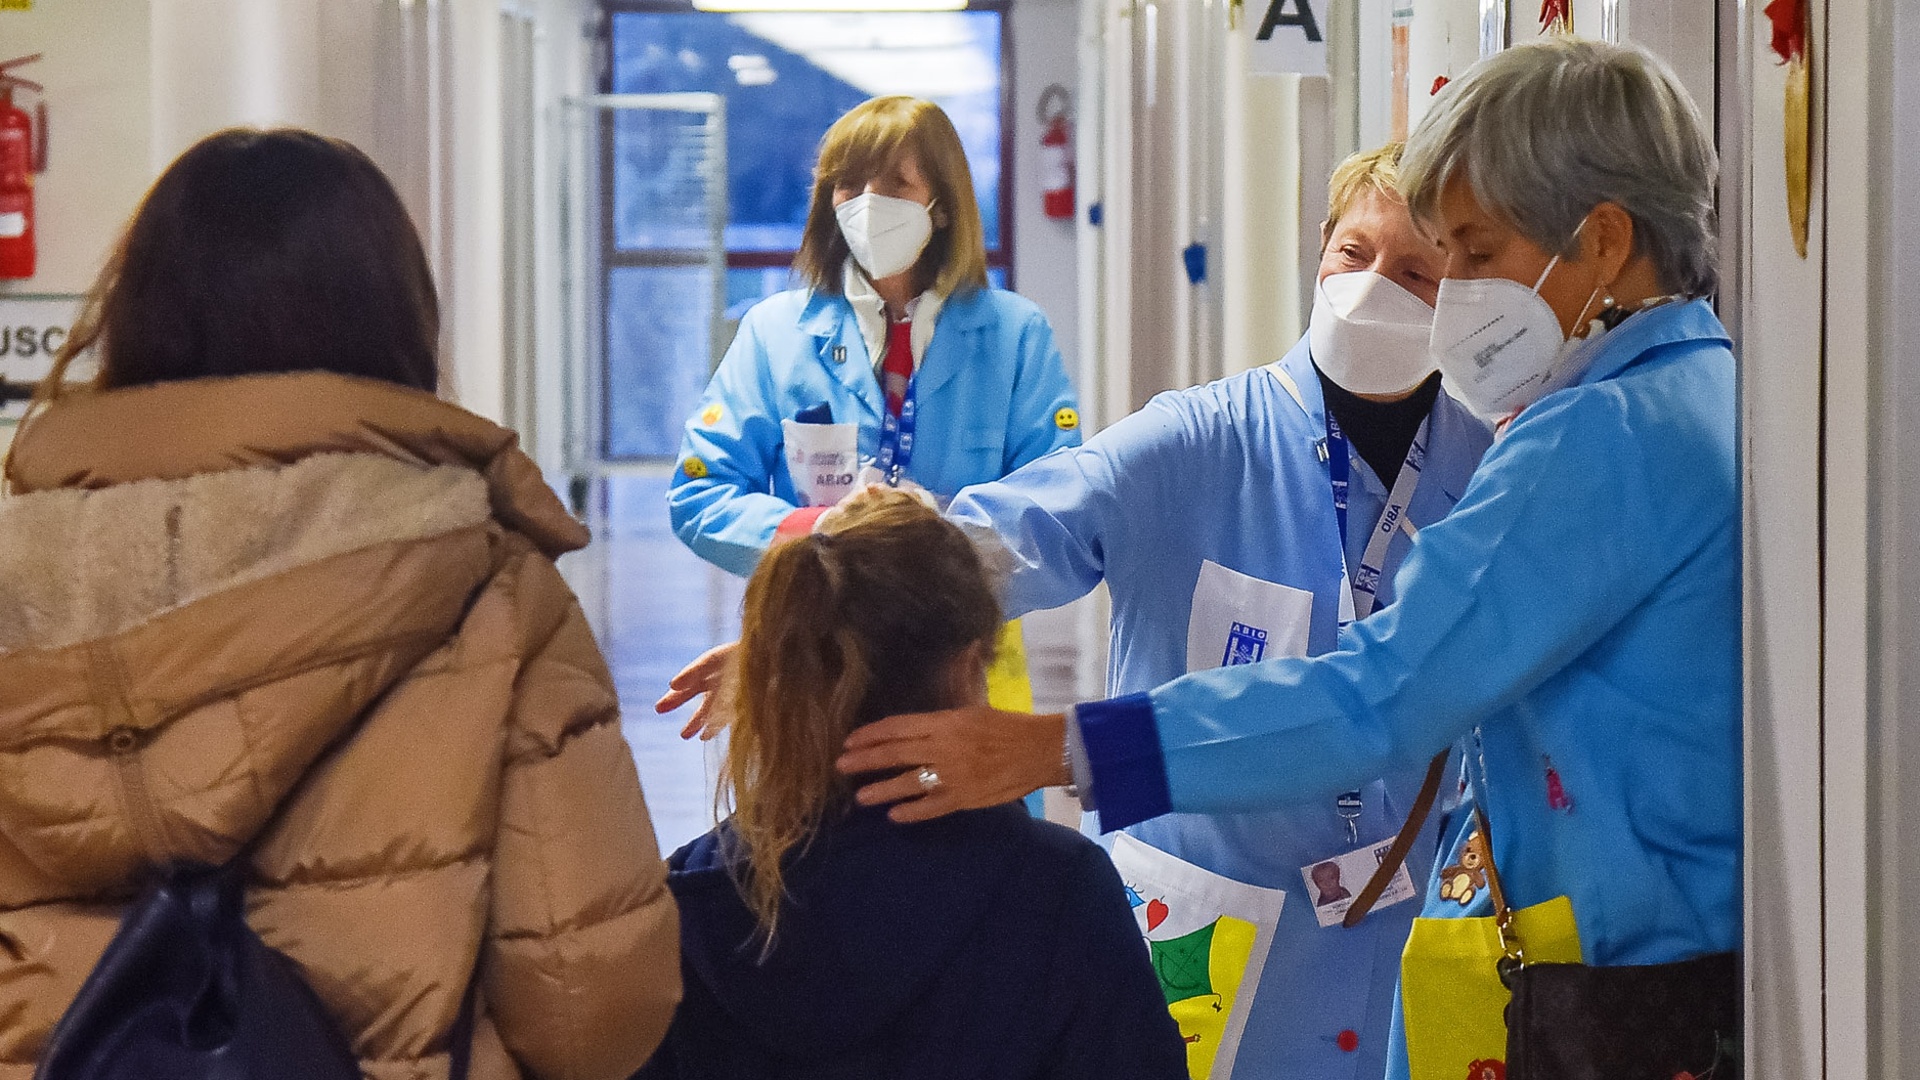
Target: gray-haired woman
(1574, 625)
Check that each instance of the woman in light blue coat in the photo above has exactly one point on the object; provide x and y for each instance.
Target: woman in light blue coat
(1575, 620)
(897, 333)
(1236, 477)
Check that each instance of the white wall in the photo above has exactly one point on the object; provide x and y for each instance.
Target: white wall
(218, 63)
(1823, 384)
(563, 68)
(474, 295)
(1892, 966)
(416, 84)
(1045, 265)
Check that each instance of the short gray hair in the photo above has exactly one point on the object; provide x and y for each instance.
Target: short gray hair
(1546, 131)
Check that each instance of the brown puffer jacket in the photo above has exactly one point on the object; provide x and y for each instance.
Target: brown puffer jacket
(320, 615)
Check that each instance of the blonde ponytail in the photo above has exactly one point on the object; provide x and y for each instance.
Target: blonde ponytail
(799, 677)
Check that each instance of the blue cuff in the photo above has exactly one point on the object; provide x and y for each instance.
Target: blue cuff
(1123, 753)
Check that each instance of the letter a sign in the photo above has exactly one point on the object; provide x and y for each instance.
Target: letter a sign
(1288, 40)
(1279, 15)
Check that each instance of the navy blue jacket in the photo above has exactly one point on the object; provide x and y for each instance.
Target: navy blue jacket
(982, 945)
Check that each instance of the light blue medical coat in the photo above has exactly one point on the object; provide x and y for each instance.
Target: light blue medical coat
(989, 391)
(1232, 472)
(1580, 606)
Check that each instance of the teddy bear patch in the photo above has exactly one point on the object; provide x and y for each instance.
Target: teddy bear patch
(1463, 880)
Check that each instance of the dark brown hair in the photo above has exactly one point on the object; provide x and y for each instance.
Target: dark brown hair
(859, 621)
(864, 143)
(258, 252)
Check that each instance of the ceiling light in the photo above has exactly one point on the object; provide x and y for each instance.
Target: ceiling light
(830, 5)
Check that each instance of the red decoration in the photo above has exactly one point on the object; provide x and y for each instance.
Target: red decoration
(1789, 18)
(1156, 913)
(1439, 84)
(1349, 1040)
(1556, 16)
(1557, 798)
(1487, 1069)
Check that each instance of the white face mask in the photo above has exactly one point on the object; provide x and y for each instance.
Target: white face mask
(1499, 346)
(1369, 335)
(886, 235)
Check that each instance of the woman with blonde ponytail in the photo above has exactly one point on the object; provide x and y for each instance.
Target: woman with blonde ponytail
(823, 940)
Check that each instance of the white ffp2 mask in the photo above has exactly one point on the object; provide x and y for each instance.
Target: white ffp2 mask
(1369, 335)
(886, 235)
(1499, 346)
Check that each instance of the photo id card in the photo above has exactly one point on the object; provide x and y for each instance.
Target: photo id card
(1333, 883)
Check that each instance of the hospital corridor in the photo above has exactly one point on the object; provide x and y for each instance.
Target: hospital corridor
(959, 540)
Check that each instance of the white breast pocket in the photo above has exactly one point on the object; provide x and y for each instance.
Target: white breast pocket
(1240, 619)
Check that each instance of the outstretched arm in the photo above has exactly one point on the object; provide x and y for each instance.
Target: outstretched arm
(1064, 517)
(1511, 588)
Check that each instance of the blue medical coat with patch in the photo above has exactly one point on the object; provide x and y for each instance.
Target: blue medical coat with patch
(1581, 608)
(989, 393)
(1232, 472)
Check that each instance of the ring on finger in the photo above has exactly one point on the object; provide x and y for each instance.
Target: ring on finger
(928, 779)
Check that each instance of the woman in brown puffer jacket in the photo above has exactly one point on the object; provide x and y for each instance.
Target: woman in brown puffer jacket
(261, 590)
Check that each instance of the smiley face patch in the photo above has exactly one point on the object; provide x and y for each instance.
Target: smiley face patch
(1066, 419)
(694, 468)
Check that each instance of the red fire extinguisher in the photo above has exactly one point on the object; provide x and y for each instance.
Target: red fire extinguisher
(21, 155)
(1056, 153)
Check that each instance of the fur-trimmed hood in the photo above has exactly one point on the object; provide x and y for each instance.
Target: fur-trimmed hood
(135, 502)
(83, 565)
(173, 431)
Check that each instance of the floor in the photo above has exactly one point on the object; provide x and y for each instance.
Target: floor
(655, 607)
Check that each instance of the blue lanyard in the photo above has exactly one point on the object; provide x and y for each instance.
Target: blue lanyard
(896, 437)
(1365, 585)
(1339, 470)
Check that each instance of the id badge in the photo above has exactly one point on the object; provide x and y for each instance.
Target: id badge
(1332, 884)
(1240, 619)
(823, 459)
